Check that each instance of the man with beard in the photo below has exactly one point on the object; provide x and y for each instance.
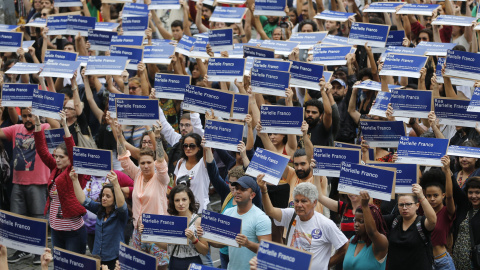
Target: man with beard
(319, 118)
(189, 122)
(269, 23)
(302, 173)
(30, 175)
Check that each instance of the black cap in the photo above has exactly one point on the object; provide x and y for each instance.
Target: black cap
(246, 182)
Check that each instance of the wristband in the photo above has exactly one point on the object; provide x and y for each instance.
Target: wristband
(195, 242)
(264, 192)
(420, 201)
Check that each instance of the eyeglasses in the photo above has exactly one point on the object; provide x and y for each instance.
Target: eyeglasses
(185, 125)
(405, 205)
(191, 146)
(147, 142)
(44, 14)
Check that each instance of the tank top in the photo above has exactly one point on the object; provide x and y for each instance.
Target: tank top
(365, 259)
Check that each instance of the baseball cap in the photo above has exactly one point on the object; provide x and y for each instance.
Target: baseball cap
(246, 182)
(340, 81)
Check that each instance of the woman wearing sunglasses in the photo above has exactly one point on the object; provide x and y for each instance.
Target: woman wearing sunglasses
(193, 165)
(150, 188)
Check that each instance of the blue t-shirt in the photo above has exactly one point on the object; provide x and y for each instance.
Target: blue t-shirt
(254, 223)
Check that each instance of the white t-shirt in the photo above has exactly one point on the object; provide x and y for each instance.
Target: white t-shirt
(317, 236)
(199, 182)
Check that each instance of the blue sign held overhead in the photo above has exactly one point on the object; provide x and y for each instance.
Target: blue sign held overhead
(395, 38)
(8, 28)
(462, 65)
(185, 45)
(223, 134)
(308, 40)
(134, 26)
(134, 54)
(80, 24)
(200, 99)
(171, 86)
(258, 52)
(378, 182)
(306, 75)
(383, 7)
(381, 104)
(67, 3)
(18, 94)
(111, 102)
(64, 259)
(60, 68)
(422, 150)
(436, 48)
(221, 39)
(269, 82)
(329, 159)
(164, 4)
(453, 20)
(473, 106)
(281, 119)
(10, 41)
(25, 68)
(240, 106)
(411, 103)
(158, 54)
(54, 138)
(375, 35)
(126, 40)
(23, 233)
(226, 69)
(407, 175)
(137, 111)
(375, 86)
(92, 161)
(337, 16)
(57, 25)
(273, 256)
(199, 49)
(135, 10)
(403, 50)
(270, 7)
(277, 65)
(463, 151)
(194, 266)
(100, 40)
(382, 133)
(336, 40)
(47, 104)
(418, 9)
(228, 14)
(403, 65)
(60, 55)
(106, 65)
(131, 258)
(220, 228)
(331, 56)
(106, 26)
(454, 112)
(269, 163)
(164, 229)
(371, 150)
(280, 47)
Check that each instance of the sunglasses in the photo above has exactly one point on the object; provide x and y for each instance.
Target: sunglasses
(191, 146)
(44, 14)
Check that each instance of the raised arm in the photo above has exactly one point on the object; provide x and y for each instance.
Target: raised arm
(307, 141)
(327, 107)
(91, 102)
(76, 187)
(292, 138)
(273, 212)
(448, 187)
(352, 105)
(379, 241)
(431, 216)
(324, 200)
(119, 198)
(198, 18)
(160, 152)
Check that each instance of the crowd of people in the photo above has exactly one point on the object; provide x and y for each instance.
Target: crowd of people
(167, 169)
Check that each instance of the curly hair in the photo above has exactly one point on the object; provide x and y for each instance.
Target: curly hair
(193, 207)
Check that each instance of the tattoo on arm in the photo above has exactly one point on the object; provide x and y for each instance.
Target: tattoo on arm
(160, 151)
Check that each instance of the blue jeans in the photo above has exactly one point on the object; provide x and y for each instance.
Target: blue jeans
(224, 259)
(75, 241)
(444, 263)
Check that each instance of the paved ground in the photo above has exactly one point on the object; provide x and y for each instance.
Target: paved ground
(28, 265)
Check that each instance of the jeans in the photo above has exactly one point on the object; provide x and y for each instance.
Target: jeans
(75, 241)
(224, 259)
(207, 259)
(29, 200)
(444, 263)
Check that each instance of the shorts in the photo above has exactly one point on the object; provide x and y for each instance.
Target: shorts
(150, 248)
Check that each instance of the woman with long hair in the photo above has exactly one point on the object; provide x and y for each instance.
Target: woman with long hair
(65, 212)
(367, 250)
(112, 217)
(181, 202)
(150, 187)
(193, 165)
(466, 167)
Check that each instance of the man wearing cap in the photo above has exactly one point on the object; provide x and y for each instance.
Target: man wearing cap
(341, 96)
(307, 229)
(256, 225)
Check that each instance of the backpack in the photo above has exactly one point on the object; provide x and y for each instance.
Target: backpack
(426, 241)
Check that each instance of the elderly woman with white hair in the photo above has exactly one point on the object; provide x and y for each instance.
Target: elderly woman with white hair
(307, 229)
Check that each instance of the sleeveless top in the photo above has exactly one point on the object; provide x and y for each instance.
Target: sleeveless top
(365, 259)
(185, 251)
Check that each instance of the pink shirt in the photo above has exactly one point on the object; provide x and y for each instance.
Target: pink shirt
(28, 168)
(149, 198)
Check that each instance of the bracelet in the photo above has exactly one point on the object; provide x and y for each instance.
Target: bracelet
(420, 201)
(264, 192)
(195, 242)
(74, 89)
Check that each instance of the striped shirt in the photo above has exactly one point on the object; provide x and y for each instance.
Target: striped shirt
(61, 224)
